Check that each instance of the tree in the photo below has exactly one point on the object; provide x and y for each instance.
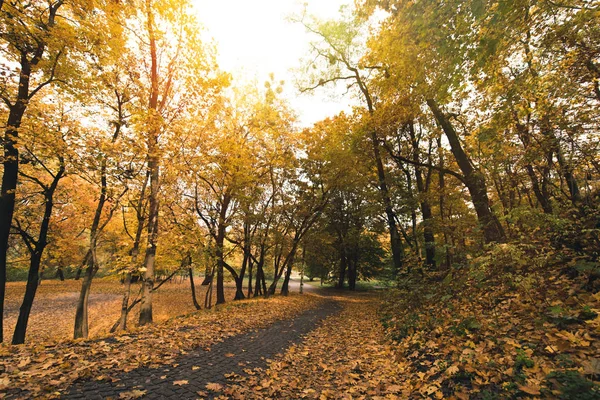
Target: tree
(32, 55)
(337, 57)
(45, 165)
(177, 82)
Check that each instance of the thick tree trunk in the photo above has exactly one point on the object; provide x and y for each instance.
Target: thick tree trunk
(81, 313)
(395, 240)
(285, 287)
(10, 177)
(473, 179)
(30, 291)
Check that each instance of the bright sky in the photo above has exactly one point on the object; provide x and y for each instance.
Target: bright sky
(254, 39)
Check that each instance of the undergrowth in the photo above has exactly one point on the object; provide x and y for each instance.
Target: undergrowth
(511, 324)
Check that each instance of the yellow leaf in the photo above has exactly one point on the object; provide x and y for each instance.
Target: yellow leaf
(452, 370)
(530, 389)
(215, 387)
(180, 383)
(132, 394)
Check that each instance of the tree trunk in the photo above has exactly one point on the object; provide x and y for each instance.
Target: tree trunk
(81, 313)
(193, 287)
(153, 171)
(220, 239)
(261, 285)
(125, 303)
(10, 176)
(285, 287)
(426, 213)
(250, 268)
(343, 267)
(30, 291)
(36, 258)
(473, 179)
(352, 266)
(395, 240)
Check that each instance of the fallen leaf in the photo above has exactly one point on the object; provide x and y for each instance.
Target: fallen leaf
(214, 387)
(132, 394)
(530, 389)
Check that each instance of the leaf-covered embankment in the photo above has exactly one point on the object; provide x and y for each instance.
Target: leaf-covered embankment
(500, 329)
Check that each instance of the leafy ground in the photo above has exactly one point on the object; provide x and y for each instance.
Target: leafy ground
(483, 333)
(45, 370)
(490, 333)
(53, 312)
(347, 357)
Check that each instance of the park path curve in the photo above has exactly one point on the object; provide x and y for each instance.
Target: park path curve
(200, 367)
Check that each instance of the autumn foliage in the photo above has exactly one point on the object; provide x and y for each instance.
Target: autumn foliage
(465, 179)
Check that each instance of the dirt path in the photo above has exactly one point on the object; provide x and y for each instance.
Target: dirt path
(188, 378)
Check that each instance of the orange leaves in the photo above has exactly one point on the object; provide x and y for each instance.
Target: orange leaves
(43, 370)
(346, 357)
(532, 390)
(496, 338)
(132, 394)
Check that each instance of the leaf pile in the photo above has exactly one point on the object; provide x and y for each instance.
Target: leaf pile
(44, 370)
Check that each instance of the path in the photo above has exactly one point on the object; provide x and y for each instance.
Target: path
(200, 367)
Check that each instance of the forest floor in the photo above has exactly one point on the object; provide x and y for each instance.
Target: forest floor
(473, 335)
(53, 314)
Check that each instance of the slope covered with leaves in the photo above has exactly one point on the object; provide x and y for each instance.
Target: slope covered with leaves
(496, 330)
(500, 329)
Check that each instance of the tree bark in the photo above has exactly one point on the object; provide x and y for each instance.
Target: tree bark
(193, 287)
(343, 267)
(38, 246)
(285, 287)
(426, 213)
(154, 172)
(81, 313)
(473, 179)
(219, 242)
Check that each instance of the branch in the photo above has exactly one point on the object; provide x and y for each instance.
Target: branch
(323, 82)
(50, 79)
(399, 158)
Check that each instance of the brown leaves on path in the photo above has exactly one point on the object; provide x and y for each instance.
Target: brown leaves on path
(346, 357)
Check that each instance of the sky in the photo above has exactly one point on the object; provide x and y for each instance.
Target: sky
(255, 39)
